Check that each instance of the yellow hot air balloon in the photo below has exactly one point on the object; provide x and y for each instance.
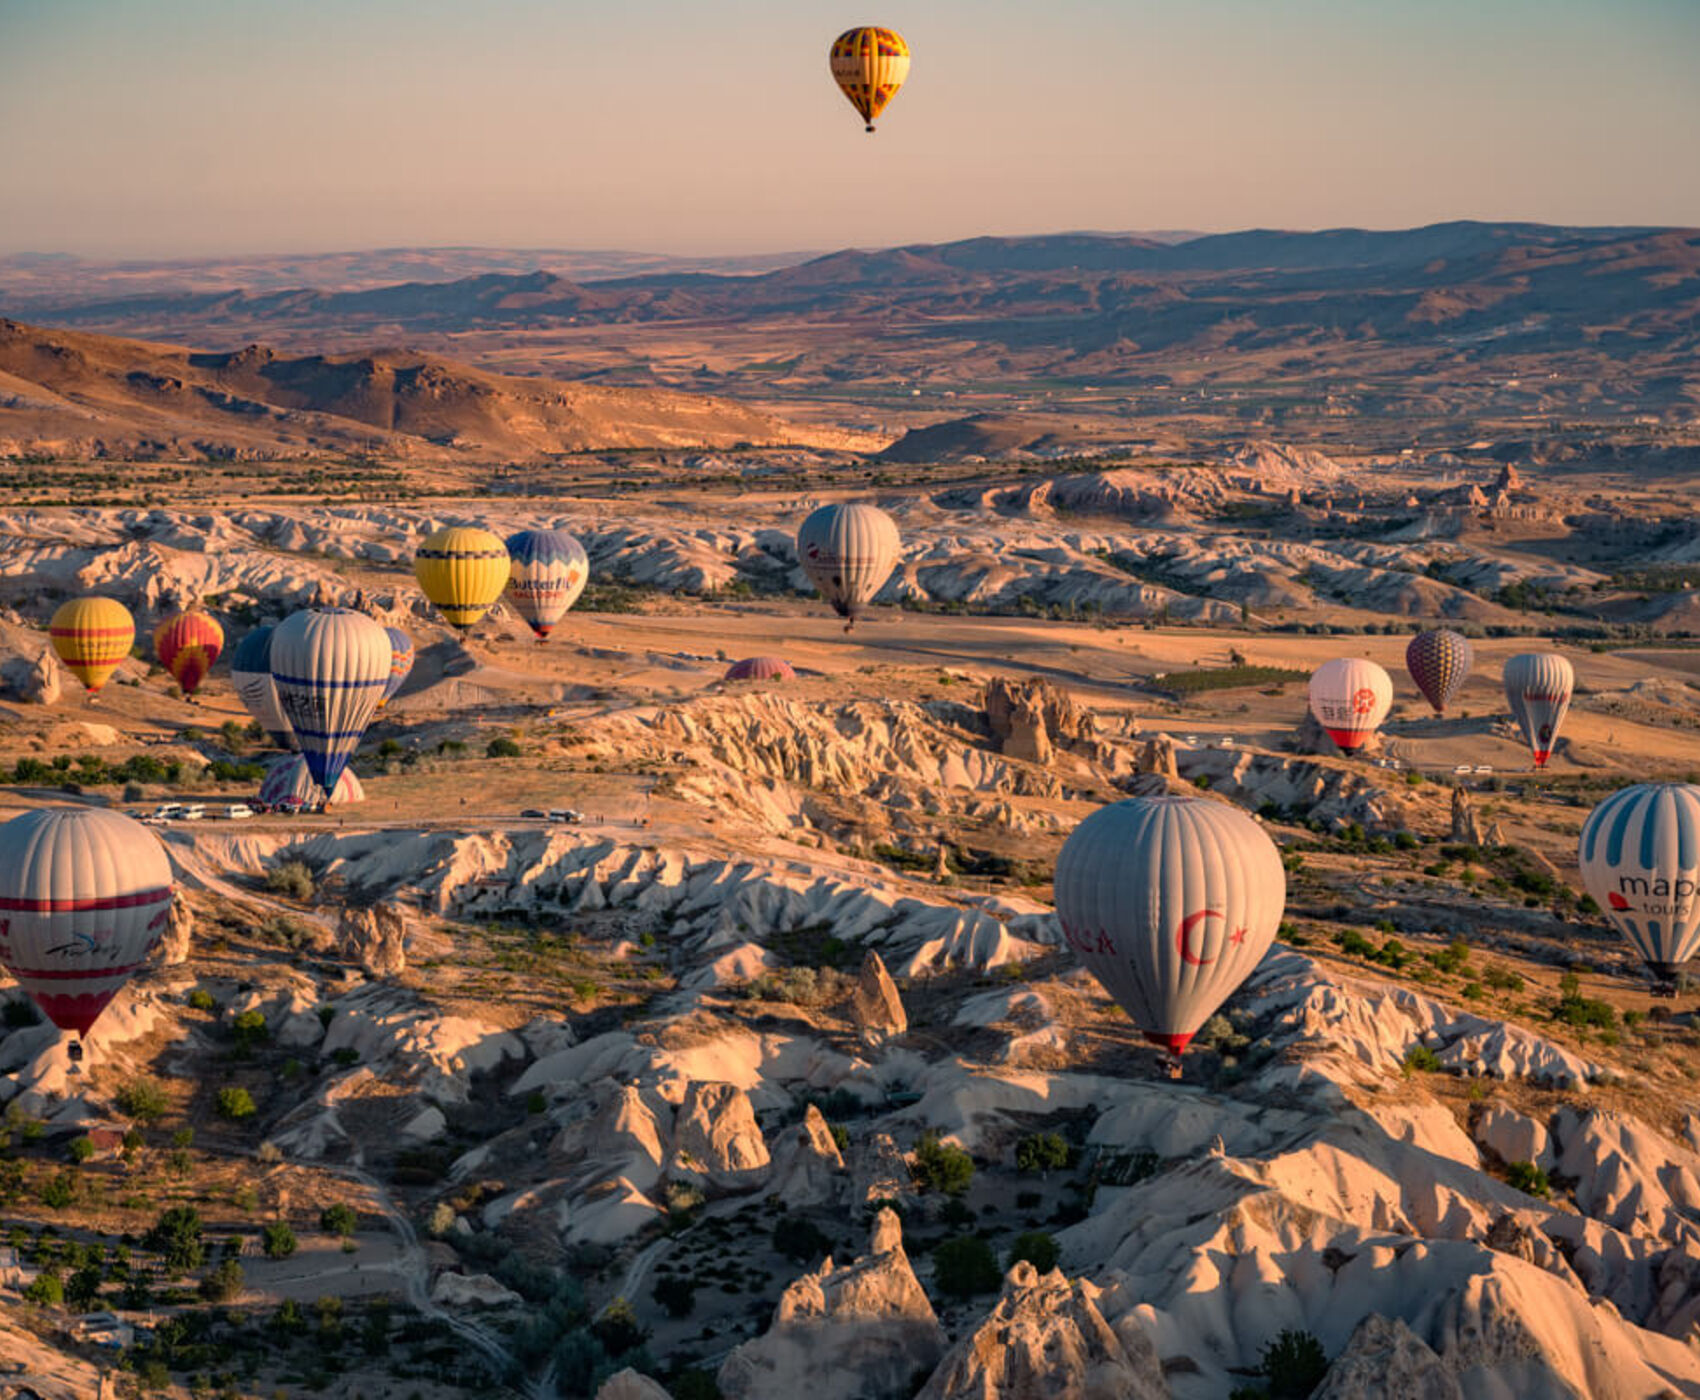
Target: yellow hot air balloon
(463, 571)
(869, 64)
(92, 635)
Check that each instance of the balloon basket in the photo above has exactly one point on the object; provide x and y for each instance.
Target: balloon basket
(1172, 1064)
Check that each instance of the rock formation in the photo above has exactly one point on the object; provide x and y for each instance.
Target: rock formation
(1046, 1340)
(875, 1006)
(1465, 830)
(1030, 719)
(471, 1291)
(375, 937)
(173, 947)
(35, 682)
(716, 1137)
(1508, 480)
(1157, 755)
(631, 1385)
(808, 1168)
(843, 1333)
(1385, 1360)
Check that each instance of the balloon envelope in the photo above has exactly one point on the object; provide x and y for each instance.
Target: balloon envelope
(187, 644)
(330, 668)
(92, 635)
(251, 674)
(548, 573)
(1350, 697)
(760, 668)
(462, 571)
(848, 552)
(84, 896)
(1170, 902)
(1640, 858)
(1538, 687)
(401, 663)
(289, 783)
(1439, 663)
(869, 65)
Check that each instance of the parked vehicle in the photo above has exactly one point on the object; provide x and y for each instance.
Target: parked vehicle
(195, 812)
(238, 811)
(566, 814)
(167, 811)
(535, 814)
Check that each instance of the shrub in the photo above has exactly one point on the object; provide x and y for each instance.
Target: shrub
(1037, 1248)
(45, 1289)
(58, 1191)
(440, 1221)
(1420, 1058)
(964, 1266)
(339, 1219)
(800, 1239)
(143, 1100)
(1529, 1179)
(1041, 1152)
(278, 1240)
(1294, 1365)
(293, 878)
(250, 1029)
(942, 1166)
(83, 1287)
(201, 999)
(617, 1328)
(235, 1103)
(81, 1149)
(224, 1284)
(677, 1295)
(502, 747)
(1574, 1009)
(176, 1238)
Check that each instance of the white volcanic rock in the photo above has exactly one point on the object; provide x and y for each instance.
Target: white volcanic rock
(631, 1385)
(35, 682)
(715, 1136)
(291, 1011)
(876, 1009)
(808, 1168)
(413, 1047)
(375, 937)
(851, 1332)
(1512, 1136)
(175, 942)
(1629, 1175)
(1385, 1360)
(471, 1291)
(1046, 1340)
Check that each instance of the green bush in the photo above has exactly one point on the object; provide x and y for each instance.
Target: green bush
(143, 1099)
(799, 1239)
(293, 878)
(1037, 1248)
(676, 1294)
(224, 1284)
(1421, 1059)
(503, 747)
(176, 1238)
(964, 1266)
(1294, 1365)
(45, 1289)
(278, 1240)
(201, 999)
(942, 1166)
(1529, 1179)
(339, 1219)
(1041, 1152)
(81, 1149)
(235, 1103)
(58, 1191)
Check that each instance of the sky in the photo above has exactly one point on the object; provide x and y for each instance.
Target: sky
(158, 128)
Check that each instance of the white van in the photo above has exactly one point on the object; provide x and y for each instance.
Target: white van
(168, 811)
(194, 812)
(236, 811)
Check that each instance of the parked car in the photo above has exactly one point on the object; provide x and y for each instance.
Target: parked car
(1462, 768)
(1484, 768)
(534, 814)
(566, 814)
(194, 812)
(237, 811)
(166, 811)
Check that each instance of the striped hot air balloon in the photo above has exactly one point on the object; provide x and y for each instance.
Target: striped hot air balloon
(1350, 697)
(1640, 857)
(550, 569)
(85, 894)
(330, 669)
(289, 783)
(869, 65)
(92, 635)
(1538, 687)
(251, 674)
(760, 668)
(401, 663)
(1439, 662)
(848, 552)
(187, 644)
(463, 571)
(1170, 902)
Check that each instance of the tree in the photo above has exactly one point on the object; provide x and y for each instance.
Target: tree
(617, 1328)
(143, 1099)
(1037, 1248)
(800, 1239)
(293, 878)
(1294, 1365)
(678, 1295)
(176, 1238)
(502, 747)
(942, 1166)
(58, 1191)
(339, 1219)
(224, 1284)
(235, 1103)
(83, 1287)
(964, 1266)
(82, 1149)
(278, 1240)
(1041, 1152)
(46, 1289)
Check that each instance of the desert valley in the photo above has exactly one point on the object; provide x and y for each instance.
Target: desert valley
(647, 1031)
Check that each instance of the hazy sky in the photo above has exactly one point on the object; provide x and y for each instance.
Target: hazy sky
(160, 127)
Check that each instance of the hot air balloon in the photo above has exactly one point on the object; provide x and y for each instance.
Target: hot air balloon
(1439, 662)
(869, 64)
(251, 674)
(1538, 687)
(550, 568)
(1640, 857)
(760, 668)
(848, 552)
(401, 663)
(1350, 697)
(1170, 902)
(288, 783)
(84, 896)
(330, 667)
(92, 635)
(463, 571)
(187, 644)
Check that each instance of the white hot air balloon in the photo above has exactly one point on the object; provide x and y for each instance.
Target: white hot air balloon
(288, 784)
(1538, 687)
(1350, 697)
(85, 894)
(848, 552)
(1170, 902)
(251, 674)
(330, 668)
(1640, 857)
